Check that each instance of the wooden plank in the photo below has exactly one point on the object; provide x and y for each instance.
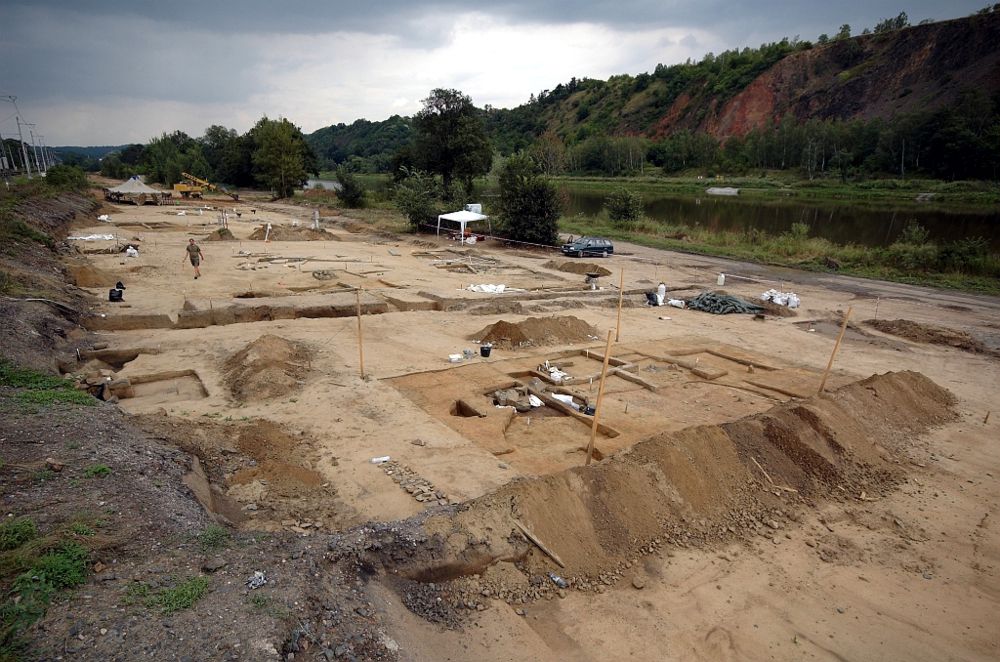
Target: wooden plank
(606, 430)
(635, 379)
(739, 359)
(533, 538)
(704, 372)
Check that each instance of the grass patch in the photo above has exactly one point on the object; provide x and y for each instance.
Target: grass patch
(37, 390)
(60, 567)
(167, 600)
(266, 604)
(213, 537)
(11, 375)
(48, 397)
(97, 471)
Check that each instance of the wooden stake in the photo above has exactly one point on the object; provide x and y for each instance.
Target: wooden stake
(836, 346)
(531, 536)
(621, 295)
(361, 337)
(600, 397)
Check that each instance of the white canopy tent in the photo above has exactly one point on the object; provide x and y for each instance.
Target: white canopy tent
(463, 218)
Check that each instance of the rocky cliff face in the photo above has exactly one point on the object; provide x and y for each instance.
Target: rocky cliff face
(867, 77)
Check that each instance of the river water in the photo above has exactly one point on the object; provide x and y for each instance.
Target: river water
(838, 222)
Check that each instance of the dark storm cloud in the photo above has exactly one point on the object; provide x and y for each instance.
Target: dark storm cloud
(182, 61)
(408, 19)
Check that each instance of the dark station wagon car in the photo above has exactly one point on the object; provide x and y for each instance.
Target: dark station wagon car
(595, 246)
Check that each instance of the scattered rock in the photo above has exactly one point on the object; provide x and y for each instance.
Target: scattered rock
(214, 564)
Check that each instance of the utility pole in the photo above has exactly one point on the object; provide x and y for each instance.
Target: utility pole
(20, 136)
(34, 147)
(45, 160)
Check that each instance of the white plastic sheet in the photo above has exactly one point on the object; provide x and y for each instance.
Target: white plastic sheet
(567, 399)
(93, 237)
(487, 288)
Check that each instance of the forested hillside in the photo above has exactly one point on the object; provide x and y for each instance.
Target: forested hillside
(895, 99)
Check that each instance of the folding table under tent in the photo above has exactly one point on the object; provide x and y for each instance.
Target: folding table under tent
(463, 218)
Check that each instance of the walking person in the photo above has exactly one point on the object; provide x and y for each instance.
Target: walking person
(196, 256)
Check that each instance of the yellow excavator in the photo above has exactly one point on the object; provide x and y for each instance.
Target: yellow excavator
(193, 187)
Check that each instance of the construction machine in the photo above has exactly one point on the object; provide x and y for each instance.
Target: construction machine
(193, 187)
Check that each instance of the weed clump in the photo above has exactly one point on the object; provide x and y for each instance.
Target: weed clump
(16, 532)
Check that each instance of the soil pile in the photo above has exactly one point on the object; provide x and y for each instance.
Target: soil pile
(222, 234)
(87, 275)
(291, 233)
(928, 333)
(582, 268)
(536, 331)
(266, 368)
(687, 488)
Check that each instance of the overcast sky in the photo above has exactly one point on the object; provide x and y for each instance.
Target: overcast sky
(96, 73)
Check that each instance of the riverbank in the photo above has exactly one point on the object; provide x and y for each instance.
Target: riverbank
(926, 194)
(965, 265)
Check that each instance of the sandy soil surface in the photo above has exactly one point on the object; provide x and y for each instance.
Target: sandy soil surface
(910, 573)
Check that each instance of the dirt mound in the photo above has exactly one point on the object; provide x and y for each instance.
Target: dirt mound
(577, 267)
(268, 367)
(771, 308)
(928, 333)
(291, 233)
(536, 331)
(222, 234)
(87, 275)
(687, 488)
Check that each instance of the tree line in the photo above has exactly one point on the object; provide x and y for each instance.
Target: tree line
(273, 154)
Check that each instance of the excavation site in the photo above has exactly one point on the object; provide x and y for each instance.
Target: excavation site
(418, 449)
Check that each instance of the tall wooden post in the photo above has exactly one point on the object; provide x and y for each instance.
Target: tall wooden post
(600, 398)
(836, 346)
(621, 295)
(361, 337)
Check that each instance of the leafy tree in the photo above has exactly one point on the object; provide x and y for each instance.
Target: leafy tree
(416, 197)
(281, 158)
(889, 24)
(624, 207)
(351, 193)
(549, 153)
(529, 206)
(844, 32)
(451, 139)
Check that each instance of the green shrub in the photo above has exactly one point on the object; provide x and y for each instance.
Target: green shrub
(914, 234)
(97, 471)
(16, 532)
(624, 207)
(912, 257)
(66, 178)
(799, 231)
(213, 537)
(416, 198)
(351, 193)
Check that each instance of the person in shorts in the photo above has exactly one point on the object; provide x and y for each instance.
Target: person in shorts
(195, 255)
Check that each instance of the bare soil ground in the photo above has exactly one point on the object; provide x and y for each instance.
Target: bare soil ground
(731, 513)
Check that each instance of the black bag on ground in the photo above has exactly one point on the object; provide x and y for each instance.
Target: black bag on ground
(115, 294)
(651, 299)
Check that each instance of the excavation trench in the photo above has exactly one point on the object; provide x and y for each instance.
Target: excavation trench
(694, 486)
